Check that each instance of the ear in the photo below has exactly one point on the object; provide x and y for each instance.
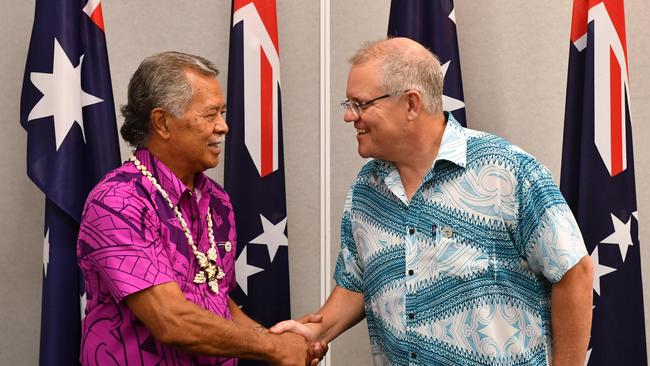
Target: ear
(414, 104)
(160, 123)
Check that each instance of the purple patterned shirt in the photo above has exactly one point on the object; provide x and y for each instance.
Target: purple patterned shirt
(130, 240)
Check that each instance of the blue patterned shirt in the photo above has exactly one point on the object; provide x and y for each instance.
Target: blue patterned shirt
(461, 274)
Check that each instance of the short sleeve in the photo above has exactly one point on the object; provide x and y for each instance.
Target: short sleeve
(120, 244)
(348, 273)
(547, 232)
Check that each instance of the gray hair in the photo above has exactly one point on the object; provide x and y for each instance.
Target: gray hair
(159, 82)
(406, 68)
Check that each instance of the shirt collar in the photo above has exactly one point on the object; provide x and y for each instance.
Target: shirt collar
(174, 187)
(453, 146)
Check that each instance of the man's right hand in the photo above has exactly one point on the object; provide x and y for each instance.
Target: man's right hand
(302, 327)
(290, 350)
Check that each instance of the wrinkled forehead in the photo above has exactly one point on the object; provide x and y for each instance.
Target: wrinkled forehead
(364, 79)
(206, 89)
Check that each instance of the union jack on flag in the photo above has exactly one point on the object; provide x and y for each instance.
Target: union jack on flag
(598, 178)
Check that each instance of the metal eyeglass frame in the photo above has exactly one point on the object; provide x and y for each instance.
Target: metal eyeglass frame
(357, 107)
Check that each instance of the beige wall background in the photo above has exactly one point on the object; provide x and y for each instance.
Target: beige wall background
(514, 63)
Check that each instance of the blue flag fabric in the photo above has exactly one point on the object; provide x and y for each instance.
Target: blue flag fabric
(67, 109)
(598, 179)
(433, 24)
(254, 166)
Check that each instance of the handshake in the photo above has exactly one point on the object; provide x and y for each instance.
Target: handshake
(298, 342)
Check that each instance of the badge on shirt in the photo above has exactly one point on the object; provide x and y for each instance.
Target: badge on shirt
(227, 246)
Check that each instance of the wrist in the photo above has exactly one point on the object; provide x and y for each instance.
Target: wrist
(260, 328)
(273, 352)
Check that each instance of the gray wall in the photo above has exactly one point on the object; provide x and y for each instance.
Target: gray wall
(514, 62)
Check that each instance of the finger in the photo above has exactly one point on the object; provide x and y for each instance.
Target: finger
(320, 349)
(293, 327)
(316, 350)
(325, 347)
(283, 326)
(311, 318)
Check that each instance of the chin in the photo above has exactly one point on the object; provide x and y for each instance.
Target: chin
(210, 163)
(364, 154)
(364, 150)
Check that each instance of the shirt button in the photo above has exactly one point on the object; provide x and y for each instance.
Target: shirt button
(447, 232)
(411, 231)
(411, 272)
(414, 355)
(411, 315)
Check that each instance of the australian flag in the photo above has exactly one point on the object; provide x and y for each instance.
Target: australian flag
(598, 178)
(67, 109)
(433, 24)
(254, 170)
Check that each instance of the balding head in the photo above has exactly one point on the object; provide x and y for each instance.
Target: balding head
(406, 65)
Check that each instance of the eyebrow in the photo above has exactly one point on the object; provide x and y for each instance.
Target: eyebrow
(355, 98)
(214, 108)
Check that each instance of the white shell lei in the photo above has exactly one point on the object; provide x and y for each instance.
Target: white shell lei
(210, 272)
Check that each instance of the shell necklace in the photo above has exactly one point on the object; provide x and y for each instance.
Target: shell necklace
(210, 272)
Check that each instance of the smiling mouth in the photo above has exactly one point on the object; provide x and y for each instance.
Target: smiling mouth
(361, 131)
(216, 144)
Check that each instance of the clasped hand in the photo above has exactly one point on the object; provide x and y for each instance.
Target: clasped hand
(304, 327)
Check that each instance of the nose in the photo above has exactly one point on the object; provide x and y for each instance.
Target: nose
(350, 116)
(221, 127)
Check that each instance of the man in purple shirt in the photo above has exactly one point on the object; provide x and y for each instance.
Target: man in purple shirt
(157, 241)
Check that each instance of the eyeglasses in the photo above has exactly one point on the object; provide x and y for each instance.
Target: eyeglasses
(357, 107)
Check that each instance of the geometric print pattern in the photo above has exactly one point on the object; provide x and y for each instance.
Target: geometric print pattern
(130, 240)
(461, 274)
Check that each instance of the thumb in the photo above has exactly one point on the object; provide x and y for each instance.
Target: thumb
(281, 327)
(311, 318)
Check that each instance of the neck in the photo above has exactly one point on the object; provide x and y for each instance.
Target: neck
(170, 159)
(423, 150)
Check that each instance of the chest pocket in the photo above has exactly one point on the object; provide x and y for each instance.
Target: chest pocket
(454, 256)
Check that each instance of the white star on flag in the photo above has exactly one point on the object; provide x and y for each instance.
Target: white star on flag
(600, 270)
(621, 236)
(273, 236)
(46, 251)
(63, 97)
(243, 270)
(452, 15)
(450, 104)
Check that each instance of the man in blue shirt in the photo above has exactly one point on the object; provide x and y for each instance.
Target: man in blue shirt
(457, 246)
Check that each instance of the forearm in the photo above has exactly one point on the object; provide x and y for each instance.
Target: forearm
(177, 322)
(202, 332)
(571, 311)
(342, 310)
